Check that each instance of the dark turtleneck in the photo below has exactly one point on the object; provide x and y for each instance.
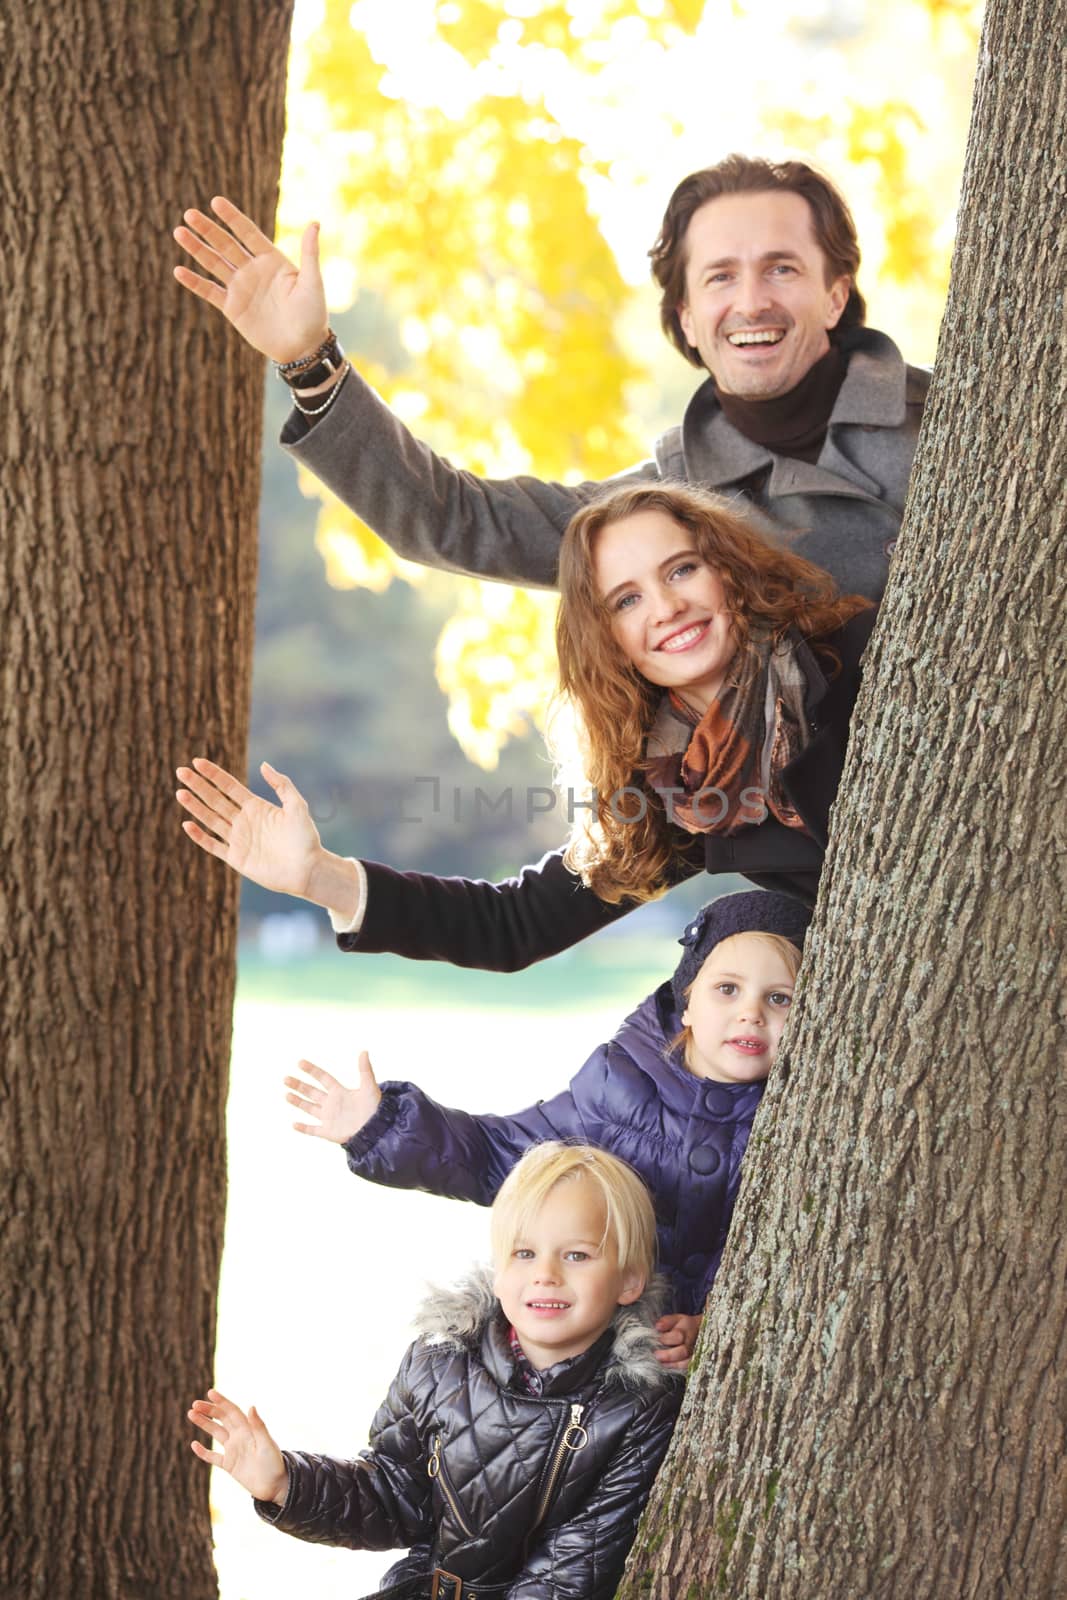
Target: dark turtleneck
(792, 424)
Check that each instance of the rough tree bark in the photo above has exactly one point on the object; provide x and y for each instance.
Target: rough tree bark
(879, 1409)
(128, 491)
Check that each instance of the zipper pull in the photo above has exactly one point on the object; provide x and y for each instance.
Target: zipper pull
(571, 1440)
(574, 1438)
(433, 1466)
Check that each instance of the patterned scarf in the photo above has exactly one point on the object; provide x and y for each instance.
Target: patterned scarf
(722, 771)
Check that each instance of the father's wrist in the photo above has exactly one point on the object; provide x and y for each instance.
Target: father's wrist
(316, 367)
(322, 388)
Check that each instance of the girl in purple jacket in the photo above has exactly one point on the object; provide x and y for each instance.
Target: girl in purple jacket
(673, 1093)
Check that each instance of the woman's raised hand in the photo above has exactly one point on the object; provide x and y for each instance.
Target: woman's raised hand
(280, 309)
(339, 1112)
(248, 1452)
(276, 846)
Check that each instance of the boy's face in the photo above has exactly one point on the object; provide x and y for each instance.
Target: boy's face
(737, 1009)
(562, 1281)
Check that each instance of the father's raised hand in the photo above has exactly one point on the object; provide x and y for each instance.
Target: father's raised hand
(279, 308)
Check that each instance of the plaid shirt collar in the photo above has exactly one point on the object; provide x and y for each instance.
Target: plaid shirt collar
(525, 1375)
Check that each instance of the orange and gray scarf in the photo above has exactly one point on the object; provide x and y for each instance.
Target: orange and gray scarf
(722, 771)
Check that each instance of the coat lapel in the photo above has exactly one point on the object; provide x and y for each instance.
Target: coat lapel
(873, 395)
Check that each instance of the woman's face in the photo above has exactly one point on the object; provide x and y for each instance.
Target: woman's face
(667, 606)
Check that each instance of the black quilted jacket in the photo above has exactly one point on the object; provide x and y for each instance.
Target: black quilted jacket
(517, 1496)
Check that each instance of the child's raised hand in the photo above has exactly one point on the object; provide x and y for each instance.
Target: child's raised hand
(340, 1112)
(678, 1335)
(248, 1452)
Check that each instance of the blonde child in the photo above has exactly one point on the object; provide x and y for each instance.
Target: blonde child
(520, 1437)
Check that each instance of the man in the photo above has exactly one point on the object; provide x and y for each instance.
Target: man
(807, 414)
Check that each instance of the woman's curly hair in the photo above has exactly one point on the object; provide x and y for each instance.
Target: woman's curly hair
(624, 846)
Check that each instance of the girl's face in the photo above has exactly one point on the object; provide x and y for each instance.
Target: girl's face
(667, 606)
(737, 1009)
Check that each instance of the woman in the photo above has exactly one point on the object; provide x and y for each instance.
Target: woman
(712, 677)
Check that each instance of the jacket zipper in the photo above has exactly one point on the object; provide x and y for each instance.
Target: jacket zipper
(566, 1443)
(435, 1467)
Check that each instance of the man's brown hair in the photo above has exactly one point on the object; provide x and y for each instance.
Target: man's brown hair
(835, 232)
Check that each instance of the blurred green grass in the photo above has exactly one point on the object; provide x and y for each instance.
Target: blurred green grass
(603, 972)
(614, 968)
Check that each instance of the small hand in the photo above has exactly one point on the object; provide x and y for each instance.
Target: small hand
(248, 1453)
(276, 846)
(678, 1335)
(340, 1112)
(278, 308)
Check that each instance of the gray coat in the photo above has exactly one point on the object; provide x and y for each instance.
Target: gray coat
(843, 512)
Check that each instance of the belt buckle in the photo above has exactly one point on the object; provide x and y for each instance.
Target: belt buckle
(441, 1576)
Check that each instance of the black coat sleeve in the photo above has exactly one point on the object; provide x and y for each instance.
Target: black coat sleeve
(500, 927)
(812, 778)
(378, 1501)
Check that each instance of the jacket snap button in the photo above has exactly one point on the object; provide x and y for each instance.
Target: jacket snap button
(889, 546)
(718, 1101)
(704, 1159)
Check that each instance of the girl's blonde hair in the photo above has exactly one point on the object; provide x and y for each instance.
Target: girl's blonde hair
(623, 847)
(631, 1222)
(790, 954)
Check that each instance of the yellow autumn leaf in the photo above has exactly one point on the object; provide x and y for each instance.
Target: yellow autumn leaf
(496, 662)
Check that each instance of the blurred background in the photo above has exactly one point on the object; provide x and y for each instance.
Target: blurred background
(489, 175)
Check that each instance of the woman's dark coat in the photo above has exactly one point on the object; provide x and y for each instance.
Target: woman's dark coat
(503, 927)
(685, 1136)
(510, 1509)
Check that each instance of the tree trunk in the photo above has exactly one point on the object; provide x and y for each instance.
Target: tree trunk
(128, 491)
(879, 1409)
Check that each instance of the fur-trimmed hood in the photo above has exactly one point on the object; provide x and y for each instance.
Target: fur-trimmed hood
(459, 1317)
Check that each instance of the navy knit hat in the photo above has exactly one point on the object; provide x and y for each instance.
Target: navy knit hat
(751, 911)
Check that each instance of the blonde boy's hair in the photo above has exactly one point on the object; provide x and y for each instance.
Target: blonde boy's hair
(790, 954)
(631, 1222)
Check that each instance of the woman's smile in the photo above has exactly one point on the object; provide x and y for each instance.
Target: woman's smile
(685, 637)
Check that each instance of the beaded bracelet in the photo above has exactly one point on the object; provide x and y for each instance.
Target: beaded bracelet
(301, 362)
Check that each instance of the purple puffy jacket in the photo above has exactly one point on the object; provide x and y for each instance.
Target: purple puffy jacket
(684, 1135)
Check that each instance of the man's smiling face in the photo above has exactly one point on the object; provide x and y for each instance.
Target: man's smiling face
(758, 305)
